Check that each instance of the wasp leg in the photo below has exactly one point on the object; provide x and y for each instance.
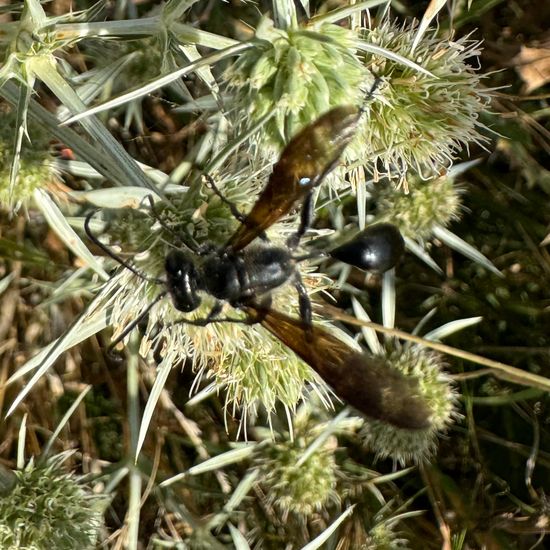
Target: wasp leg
(370, 94)
(305, 306)
(306, 216)
(212, 317)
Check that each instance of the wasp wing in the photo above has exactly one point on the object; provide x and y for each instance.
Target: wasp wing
(303, 164)
(364, 381)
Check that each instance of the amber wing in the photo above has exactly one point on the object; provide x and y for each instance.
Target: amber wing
(362, 380)
(303, 164)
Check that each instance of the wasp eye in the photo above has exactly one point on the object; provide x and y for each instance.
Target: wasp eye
(182, 281)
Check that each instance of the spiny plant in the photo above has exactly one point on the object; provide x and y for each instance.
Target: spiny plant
(303, 476)
(46, 506)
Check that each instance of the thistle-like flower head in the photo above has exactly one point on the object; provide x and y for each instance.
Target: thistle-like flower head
(428, 203)
(440, 396)
(296, 75)
(46, 504)
(295, 483)
(34, 172)
(418, 121)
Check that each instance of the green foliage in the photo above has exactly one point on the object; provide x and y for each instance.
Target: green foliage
(424, 120)
(295, 76)
(230, 96)
(35, 172)
(46, 507)
(436, 388)
(436, 201)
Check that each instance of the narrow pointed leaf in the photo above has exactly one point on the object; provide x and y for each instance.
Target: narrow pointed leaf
(368, 333)
(388, 298)
(420, 253)
(63, 421)
(158, 83)
(450, 328)
(388, 54)
(239, 541)
(83, 328)
(158, 386)
(456, 243)
(317, 542)
(432, 10)
(66, 233)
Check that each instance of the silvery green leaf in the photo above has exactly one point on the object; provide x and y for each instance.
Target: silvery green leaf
(122, 28)
(368, 333)
(242, 452)
(317, 542)
(204, 73)
(386, 478)
(117, 197)
(284, 13)
(388, 298)
(64, 420)
(204, 103)
(85, 170)
(305, 6)
(21, 131)
(21, 442)
(234, 144)
(76, 168)
(361, 199)
(215, 463)
(450, 328)
(239, 541)
(434, 7)
(345, 12)
(420, 325)
(96, 81)
(175, 9)
(107, 165)
(420, 253)
(158, 83)
(456, 243)
(163, 371)
(329, 429)
(242, 489)
(84, 327)
(44, 67)
(203, 394)
(66, 233)
(458, 169)
(33, 15)
(378, 50)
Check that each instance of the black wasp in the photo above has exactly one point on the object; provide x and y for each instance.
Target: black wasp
(240, 273)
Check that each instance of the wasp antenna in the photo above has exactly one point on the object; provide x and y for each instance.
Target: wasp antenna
(234, 210)
(177, 236)
(135, 323)
(231, 205)
(111, 254)
(157, 216)
(370, 94)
